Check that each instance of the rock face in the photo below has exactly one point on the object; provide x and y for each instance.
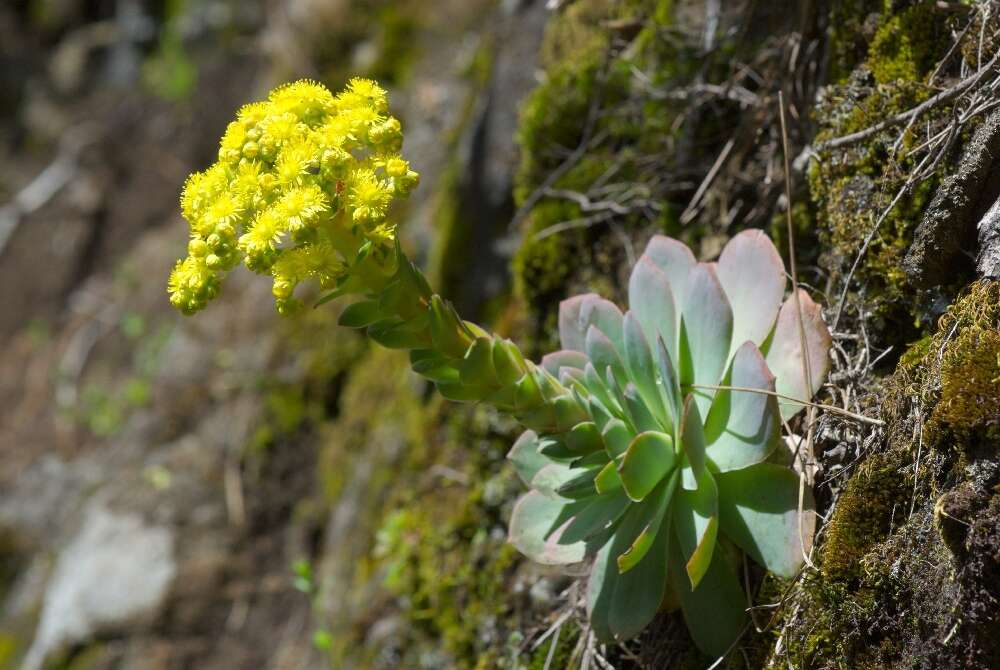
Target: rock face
(242, 491)
(113, 576)
(961, 215)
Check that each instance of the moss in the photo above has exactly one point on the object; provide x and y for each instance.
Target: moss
(375, 394)
(589, 91)
(389, 27)
(970, 383)
(915, 352)
(890, 616)
(874, 499)
(554, 115)
(561, 655)
(968, 412)
(853, 185)
(908, 44)
(852, 25)
(435, 499)
(442, 548)
(542, 267)
(305, 394)
(450, 574)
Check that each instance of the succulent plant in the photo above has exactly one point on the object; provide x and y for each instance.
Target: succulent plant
(653, 445)
(675, 471)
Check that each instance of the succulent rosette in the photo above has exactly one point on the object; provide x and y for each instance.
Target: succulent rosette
(675, 471)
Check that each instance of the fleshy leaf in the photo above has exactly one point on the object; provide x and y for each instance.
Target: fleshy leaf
(743, 428)
(508, 361)
(527, 392)
(706, 333)
(555, 448)
(567, 412)
(654, 511)
(584, 438)
(758, 509)
(447, 330)
(581, 486)
(649, 458)
(595, 384)
(696, 517)
(598, 458)
(399, 334)
(753, 276)
(600, 590)
(652, 300)
(784, 354)
(669, 382)
(535, 526)
(674, 259)
(460, 392)
(715, 611)
(571, 378)
(477, 367)
(640, 364)
(601, 415)
(601, 350)
(638, 593)
(565, 358)
(432, 365)
(525, 456)
(550, 477)
(692, 439)
(571, 329)
(616, 438)
(607, 479)
(603, 315)
(600, 513)
(642, 418)
(360, 314)
(615, 391)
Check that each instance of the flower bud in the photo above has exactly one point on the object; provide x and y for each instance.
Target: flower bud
(396, 167)
(282, 288)
(197, 247)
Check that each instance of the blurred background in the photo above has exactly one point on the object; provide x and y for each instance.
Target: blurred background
(221, 492)
(240, 490)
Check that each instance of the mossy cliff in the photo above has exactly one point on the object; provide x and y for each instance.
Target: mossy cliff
(853, 184)
(614, 145)
(907, 567)
(906, 561)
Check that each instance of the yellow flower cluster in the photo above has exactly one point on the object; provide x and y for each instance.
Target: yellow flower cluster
(301, 191)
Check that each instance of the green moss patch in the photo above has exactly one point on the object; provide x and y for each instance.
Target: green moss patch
(906, 571)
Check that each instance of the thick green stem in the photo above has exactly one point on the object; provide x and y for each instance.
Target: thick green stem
(465, 362)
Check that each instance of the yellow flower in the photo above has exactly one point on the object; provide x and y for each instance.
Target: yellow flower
(231, 146)
(363, 93)
(368, 197)
(225, 209)
(264, 235)
(302, 206)
(300, 191)
(191, 285)
(292, 166)
(306, 100)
